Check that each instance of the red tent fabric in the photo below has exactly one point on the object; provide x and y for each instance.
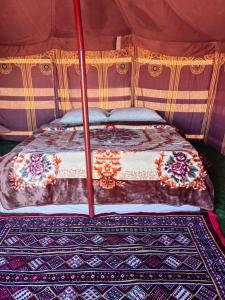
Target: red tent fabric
(42, 25)
(173, 61)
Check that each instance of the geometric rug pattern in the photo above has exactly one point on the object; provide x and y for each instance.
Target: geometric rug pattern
(136, 257)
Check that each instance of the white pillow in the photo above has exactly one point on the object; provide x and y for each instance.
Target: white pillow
(74, 117)
(138, 114)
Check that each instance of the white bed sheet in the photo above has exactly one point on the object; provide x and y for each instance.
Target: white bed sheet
(100, 209)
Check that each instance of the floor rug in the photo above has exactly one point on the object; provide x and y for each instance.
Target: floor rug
(134, 257)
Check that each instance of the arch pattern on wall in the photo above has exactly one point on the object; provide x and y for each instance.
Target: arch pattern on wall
(187, 91)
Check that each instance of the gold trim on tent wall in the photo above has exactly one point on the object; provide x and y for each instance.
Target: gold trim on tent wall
(21, 92)
(184, 108)
(63, 88)
(93, 59)
(123, 92)
(26, 72)
(21, 104)
(145, 56)
(103, 81)
(194, 136)
(108, 59)
(163, 94)
(171, 94)
(219, 61)
(17, 133)
(174, 92)
(171, 90)
(94, 93)
(175, 64)
(102, 61)
(111, 104)
(136, 70)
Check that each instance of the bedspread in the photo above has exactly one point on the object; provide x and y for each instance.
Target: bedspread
(131, 164)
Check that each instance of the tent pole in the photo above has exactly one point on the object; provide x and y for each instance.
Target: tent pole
(83, 83)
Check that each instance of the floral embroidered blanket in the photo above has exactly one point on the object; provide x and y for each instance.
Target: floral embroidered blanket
(131, 163)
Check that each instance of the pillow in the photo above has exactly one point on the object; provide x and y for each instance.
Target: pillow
(74, 117)
(136, 114)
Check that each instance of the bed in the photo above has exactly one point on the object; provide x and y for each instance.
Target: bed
(138, 165)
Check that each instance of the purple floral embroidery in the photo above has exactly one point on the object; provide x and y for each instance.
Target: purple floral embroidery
(180, 156)
(32, 170)
(36, 157)
(36, 166)
(180, 169)
(36, 169)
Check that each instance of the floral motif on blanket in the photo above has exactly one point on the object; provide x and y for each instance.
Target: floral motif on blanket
(179, 169)
(107, 167)
(34, 170)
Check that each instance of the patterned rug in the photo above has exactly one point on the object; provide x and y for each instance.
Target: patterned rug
(133, 257)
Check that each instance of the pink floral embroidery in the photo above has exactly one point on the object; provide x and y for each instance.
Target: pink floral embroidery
(36, 165)
(34, 170)
(179, 169)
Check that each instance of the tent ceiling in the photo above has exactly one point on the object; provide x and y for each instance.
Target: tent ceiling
(28, 22)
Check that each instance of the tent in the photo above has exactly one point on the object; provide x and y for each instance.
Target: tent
(167, 55)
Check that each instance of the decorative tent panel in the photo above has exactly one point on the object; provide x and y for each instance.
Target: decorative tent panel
(26, 95)
(215, 128)
(35, 90)
(186, 91)
(108, 76)
(177, 87)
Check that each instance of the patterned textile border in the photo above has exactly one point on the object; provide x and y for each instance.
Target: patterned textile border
(116, 257)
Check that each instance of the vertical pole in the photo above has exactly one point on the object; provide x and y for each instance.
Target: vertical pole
(83, 83)
(55, 84)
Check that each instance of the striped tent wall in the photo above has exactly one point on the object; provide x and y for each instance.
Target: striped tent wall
(108, 79)
(187, 91)
(215, 123)
(26, 95)
(177, 87)
(35, 90)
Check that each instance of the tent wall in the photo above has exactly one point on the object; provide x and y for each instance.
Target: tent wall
(188, 91)
(26, 95)
(108, 75)
(215, 127)
(35, 26)
(35, 90)
(178, 87)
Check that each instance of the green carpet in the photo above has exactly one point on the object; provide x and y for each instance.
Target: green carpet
(6, 146)
(216, 172)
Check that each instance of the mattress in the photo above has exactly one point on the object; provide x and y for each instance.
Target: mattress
(100, 209)
(139, 164)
